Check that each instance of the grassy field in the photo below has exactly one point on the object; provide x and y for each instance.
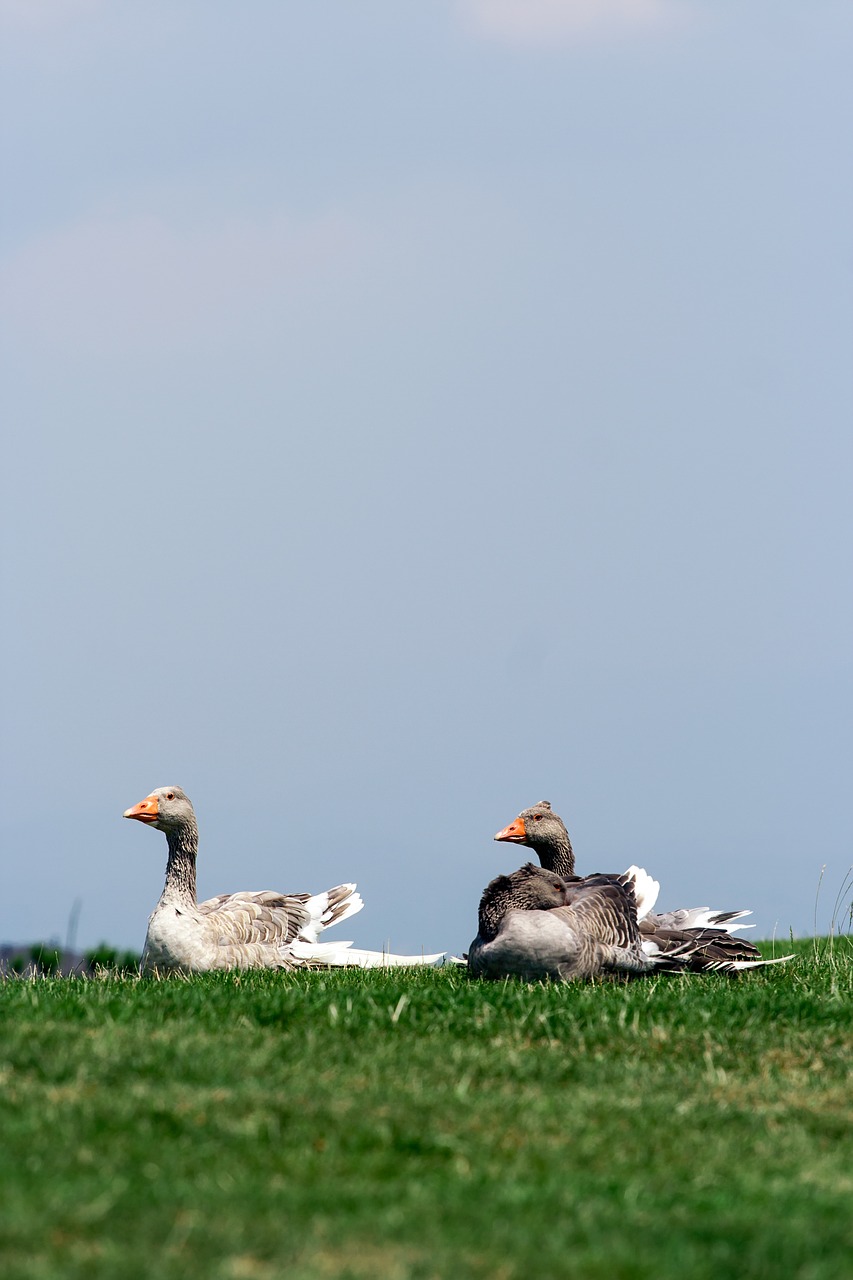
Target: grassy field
(409, 1125)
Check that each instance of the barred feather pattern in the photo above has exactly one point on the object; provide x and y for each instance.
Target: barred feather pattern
(535, 925)
(694, 937)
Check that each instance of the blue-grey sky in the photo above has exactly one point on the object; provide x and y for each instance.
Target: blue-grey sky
(414, 412)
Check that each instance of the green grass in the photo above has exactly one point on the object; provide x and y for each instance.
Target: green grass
(407, 1125)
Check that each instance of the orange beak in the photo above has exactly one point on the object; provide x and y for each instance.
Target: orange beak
(515, 833)
(146, 811)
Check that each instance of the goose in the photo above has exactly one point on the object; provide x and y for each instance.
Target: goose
(697, 932)
(534, 924)
(258, 930)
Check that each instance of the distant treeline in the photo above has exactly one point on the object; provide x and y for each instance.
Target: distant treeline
(45, 959)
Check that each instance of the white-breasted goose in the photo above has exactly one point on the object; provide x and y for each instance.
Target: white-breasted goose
(249, 930)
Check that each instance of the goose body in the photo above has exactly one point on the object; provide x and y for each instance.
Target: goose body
(247, 930)
(695, 933)
(534, 924)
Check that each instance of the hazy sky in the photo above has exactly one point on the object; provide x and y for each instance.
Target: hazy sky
(414, 412)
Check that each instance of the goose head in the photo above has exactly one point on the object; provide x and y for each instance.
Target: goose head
(167, 809)
(531, 888)
(545, 832)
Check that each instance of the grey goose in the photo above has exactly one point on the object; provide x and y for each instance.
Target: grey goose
(248, 930)
(697, 932)
(536, 925)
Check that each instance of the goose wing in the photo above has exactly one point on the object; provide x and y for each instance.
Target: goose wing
(688, 939)
(268, 918)
(604, 908)
(701, 948)
(602, 915)
(696, 933)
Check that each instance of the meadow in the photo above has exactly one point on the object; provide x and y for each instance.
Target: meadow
(414, 1125)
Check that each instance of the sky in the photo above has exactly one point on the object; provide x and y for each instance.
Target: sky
(414, 412)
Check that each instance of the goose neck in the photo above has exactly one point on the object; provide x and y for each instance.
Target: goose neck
(557, 855)
(180, 868)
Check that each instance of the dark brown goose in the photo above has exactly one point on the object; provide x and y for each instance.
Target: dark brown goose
(533, 924)
(697, 930)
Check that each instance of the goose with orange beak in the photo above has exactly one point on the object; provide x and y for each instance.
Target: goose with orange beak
(694, 932)
(249, 930)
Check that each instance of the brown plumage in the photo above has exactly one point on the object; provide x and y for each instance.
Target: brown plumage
(694, 932)
(534, 924)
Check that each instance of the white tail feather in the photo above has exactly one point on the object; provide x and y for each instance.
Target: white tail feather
(733, 965)
(705, 918)
(701, 918)
(382, 959)
(646, 890)
(321, 911)
(345, 955)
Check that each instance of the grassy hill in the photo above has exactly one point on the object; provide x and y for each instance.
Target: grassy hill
(409, 1125)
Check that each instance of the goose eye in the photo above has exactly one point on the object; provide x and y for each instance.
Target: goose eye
(537, 817)
(170, 795)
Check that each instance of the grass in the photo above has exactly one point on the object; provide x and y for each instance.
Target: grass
(414, 1125)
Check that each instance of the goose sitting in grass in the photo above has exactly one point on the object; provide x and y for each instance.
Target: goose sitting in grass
(533, 924)
(696, 932)
(265, 930)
